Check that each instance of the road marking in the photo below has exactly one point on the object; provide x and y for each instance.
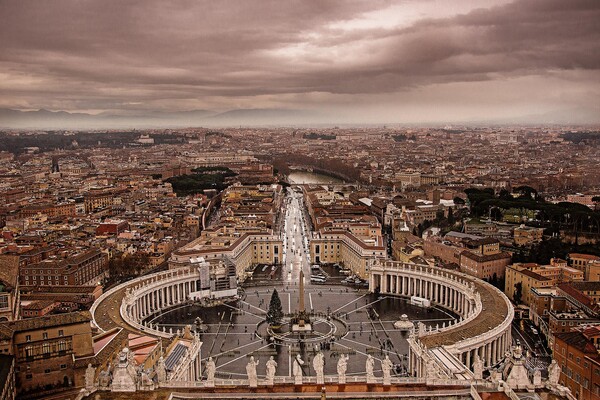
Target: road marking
(350, 302)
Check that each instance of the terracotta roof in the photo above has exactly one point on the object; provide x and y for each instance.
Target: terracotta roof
(534, 275)
(9, 270)
(578, 340)
(584, 256)
(577, 295)
(39, 305)
(8, 329)
(588, 286)
(489, 257)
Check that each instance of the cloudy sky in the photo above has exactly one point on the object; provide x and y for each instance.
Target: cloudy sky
(354, 61)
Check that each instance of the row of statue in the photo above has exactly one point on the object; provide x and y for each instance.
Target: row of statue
(318, 365)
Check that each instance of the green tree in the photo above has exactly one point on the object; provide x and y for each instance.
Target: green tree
(596, 200)
(459, 201)
(451, 219)
(275, 312)
(518, 295)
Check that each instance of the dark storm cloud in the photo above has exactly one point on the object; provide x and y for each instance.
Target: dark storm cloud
(106, 54)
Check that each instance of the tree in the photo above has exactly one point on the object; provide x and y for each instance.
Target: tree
(596, 200)
(451, 219)
(518, 295)
(459, 201)
(275, 312)
(496, 214)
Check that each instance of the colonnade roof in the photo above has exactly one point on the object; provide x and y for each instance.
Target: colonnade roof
(495, 310)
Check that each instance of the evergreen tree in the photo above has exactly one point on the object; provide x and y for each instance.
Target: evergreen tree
(518, 294)
(275, 312)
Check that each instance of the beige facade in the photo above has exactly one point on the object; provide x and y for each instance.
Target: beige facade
(533, 275)
(526, 235)
(343, 247)
(244, 249)
(46, 349)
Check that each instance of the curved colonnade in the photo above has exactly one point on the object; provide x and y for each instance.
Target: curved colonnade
(482, 331)
(150, 294)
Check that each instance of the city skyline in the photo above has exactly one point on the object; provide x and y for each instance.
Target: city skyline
(412, 62)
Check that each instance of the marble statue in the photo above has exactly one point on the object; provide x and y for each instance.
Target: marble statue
(251, 371)
(318, 364)
(342, 366)
(537, 378)
(145, 382)
(210, 372)
(90, 375)
(553, 373)
(518, 377)
(271, 367)
(297, 369)
(161, 371)
(431, 370)
(386, 367)
(124, 377)
(104, 379)
(518, 352)
(477, 367)
(369, 366)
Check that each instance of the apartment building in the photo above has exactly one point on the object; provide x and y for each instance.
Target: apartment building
(46, 349)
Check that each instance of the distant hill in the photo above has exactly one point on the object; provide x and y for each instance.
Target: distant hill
(44, 119)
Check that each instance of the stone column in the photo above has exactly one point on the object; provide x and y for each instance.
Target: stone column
(468, 359)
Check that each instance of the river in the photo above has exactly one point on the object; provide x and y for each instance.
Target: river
(299, 177)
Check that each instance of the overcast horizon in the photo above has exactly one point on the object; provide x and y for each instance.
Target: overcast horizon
(352, 62)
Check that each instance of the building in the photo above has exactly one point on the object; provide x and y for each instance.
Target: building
(244, 248)
(346, 247)
(527, 235)
(521, 278)
(579, 361)
(477, 256)
(38, 308)
(585, 199)
(46, 349)
(484, 266)
(85, 268)
(8, 389)
(588, 263)
(112, 227)
(9, 288)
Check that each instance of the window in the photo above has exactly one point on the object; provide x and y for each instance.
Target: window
(3, 301)
(63, 366)
(46, 371)
(28, 338)
(45, 335)
(28, 377)
(61, 332)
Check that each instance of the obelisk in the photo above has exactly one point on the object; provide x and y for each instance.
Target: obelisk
(301, 300)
